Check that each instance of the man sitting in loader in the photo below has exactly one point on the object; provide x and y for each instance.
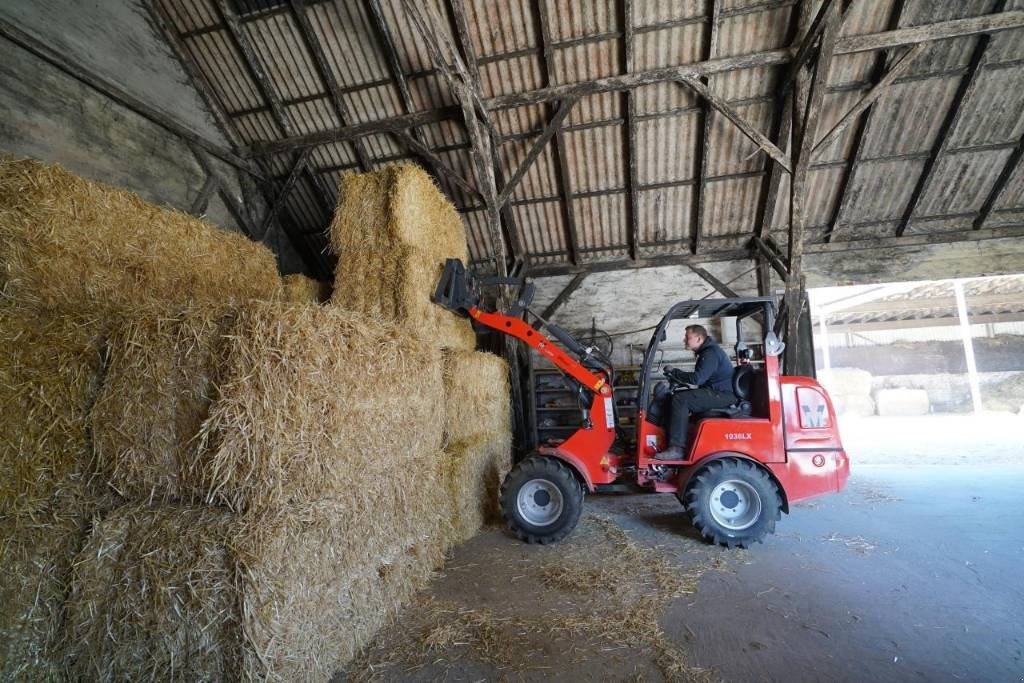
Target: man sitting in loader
(712, 381)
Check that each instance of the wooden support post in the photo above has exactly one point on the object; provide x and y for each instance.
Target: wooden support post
(717, 284)
(202, 200)
(563, 296)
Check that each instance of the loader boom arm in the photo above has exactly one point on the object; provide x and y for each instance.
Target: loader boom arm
(520, 329)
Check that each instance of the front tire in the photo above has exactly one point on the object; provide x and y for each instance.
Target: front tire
(541, 500)
(733, 502)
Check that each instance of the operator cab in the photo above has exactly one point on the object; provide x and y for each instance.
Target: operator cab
(741, 326)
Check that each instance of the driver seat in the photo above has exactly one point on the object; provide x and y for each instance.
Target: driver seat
(742, 382)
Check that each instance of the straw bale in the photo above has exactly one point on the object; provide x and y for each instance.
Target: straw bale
(49, 376)
(473, 471)
(476, 388)
(392, 231)
(902, 402)
(846, 381)
(316, 398)
(36, 552)
(299, 289)
(204, 594)
(70, 244)
(162, 377)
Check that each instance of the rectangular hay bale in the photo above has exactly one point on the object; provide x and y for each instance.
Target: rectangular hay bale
(69, 244)
(50, 371)
(314, 395)
(392, 231)
(477, 399)
(473, 472)
(163, 373)
(200, 593)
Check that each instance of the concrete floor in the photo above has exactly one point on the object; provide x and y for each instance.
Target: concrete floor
(912, 573)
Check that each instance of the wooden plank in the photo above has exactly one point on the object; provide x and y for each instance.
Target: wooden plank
(563, 296)
(202, 200)
(727, 110)
(718, 285)
(289, 184)
(714, 12)
(629, 130)
(536, 149)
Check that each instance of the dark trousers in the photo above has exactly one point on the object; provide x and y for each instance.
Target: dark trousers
(693, 401)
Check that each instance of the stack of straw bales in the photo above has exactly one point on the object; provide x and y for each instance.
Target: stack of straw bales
(78, 260)
(252, 483)
(392, 232)
(849, 389)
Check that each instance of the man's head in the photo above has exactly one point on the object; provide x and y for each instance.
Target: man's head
(694, 336)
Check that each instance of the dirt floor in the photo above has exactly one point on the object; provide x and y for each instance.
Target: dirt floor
(912, 573)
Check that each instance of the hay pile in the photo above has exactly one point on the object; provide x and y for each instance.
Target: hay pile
(299, 289)
(162, 377)
(849, 389)
(392, 231)
(69, 244)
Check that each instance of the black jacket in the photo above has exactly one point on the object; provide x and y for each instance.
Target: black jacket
(713, 369)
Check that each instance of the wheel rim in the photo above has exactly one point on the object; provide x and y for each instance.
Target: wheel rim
(539, 502)
(735, 505)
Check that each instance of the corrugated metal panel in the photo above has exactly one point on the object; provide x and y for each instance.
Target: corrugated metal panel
(190, 16)
(313, 116)
(882, 189)
(596, 158)
(946, 54)
(459, 161)
(667, 149)
(379, 146)
(924, 226)
(963, 182)
(729, 150)
(855, 68)
(601, 221)
(570, 19)
(993, 112)
(663, 97)
(669, 47)
(429, 92)
(333, 154)
(540, 180)
(477, 235)
(224, 68)
(372, 104)
(752, 32)
(585, 62)
(508, 76)
(344, 32)
(520, 119)
(909, 116)
(444, 133)
(283, 56)
(1007, 45)
(652, 12)
(822, 194)
(412, 53)
(747, 83)
(664, 215)
(1013, 194)
(541, 226)
(730, 206)
(257, 127)
(834, 108)
(599, 107)
(498, 28)
(866, 17)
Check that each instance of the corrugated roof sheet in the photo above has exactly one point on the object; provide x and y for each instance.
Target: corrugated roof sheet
(588, 41)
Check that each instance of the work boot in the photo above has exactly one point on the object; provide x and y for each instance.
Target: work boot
(670, 453)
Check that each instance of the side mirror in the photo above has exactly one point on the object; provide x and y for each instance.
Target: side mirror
(772, 345)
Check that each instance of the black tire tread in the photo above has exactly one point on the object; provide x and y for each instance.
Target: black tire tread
(554, 469)
(691, 502)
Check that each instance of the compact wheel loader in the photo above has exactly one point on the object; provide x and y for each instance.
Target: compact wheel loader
(744, 464)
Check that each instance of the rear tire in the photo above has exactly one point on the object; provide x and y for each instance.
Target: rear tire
(541, 500)
(732, 502)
